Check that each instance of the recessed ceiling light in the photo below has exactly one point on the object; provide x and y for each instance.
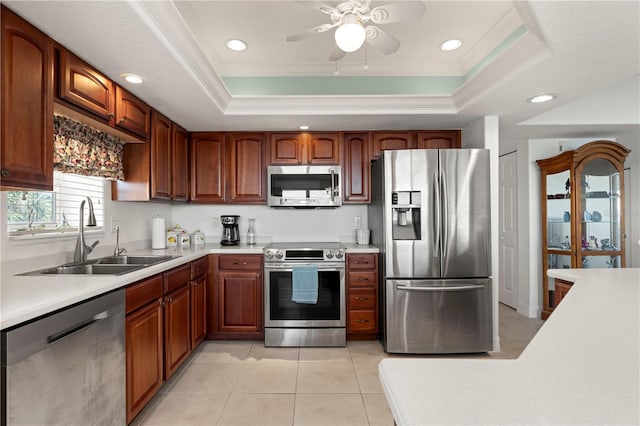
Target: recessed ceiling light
(450, 45)
(303, 127)
(236, 45)
(542, 98)
(133, 78)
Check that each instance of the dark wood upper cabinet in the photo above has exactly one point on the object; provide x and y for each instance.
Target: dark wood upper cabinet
(247, 171)
(304, 148)
(132, 114)
(207, 167)
(179, 163)
(439, 139)
(323, 148)
(26, 147)
(160, 156)
(85, 87)
(286, 148)
(392, 140)
(356, 166)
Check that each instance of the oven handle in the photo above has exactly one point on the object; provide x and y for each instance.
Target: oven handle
(289, 266)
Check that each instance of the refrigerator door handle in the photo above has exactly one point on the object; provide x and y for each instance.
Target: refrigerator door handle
(452, 288)
(437, 218)
(445, 211)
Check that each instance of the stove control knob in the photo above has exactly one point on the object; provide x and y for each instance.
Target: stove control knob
(329, 254)
(269, 254)
(279, 254)
(339, 254)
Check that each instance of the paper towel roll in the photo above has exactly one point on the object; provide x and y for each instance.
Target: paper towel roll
(157, 233)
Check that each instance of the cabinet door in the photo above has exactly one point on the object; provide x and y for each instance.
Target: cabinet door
(85, 87)
(439, 139)
(160, 156)
(198, 311)
(239, 303)
(356, 168)
(26, 148)
(323, 148)
(247, 171)
(392, 140)
(286, 148)
(207, 167)
(180, 163)
(132, 114)
(177, 339)
(143, 331)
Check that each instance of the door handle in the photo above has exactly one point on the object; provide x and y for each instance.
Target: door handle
(451, 288)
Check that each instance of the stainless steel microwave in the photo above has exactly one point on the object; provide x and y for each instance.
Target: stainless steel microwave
(305, 186)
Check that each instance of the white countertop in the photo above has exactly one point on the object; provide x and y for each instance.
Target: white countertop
(582, 367)
(23, 298)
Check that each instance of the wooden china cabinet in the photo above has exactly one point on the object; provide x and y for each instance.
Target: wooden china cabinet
(582, 213)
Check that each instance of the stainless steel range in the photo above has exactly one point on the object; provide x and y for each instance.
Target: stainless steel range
(316, 269)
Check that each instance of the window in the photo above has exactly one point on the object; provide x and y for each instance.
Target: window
(33, 212)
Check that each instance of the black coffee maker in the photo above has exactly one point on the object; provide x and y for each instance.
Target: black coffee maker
(230, 234)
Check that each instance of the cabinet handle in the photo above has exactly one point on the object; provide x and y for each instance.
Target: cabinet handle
(361, 321)
(161, 302)
(111, 115)
(122, 120)
(361, 298)
(362, 279)
(240, 263)
(170, 299)
(5, 172)
(195, 284)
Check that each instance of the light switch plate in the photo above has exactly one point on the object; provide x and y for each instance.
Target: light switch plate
(115, 222)
(357, 221)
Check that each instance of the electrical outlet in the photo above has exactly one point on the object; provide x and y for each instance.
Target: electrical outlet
(357, 221)
(215, 221)
(115, 222)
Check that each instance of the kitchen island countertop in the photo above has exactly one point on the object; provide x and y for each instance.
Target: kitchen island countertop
(581, 367)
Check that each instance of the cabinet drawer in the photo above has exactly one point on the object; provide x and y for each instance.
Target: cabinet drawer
(234, 263)
(362, 298)
(362, 320)
(140, 294)
(361, 261)
(362, 279)
(177, 278)
(198, 268)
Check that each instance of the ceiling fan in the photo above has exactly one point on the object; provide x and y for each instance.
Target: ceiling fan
(354, 20)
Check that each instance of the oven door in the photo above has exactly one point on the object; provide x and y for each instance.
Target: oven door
(281, 311)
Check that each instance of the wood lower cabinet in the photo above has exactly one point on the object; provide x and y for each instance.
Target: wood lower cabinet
(237, 295)
(198, 299)
(362, 296)
(177, 336)
(144, 327)
(356, 167)
(26, 148)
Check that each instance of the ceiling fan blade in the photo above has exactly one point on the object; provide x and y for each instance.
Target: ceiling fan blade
(381, 40)
(397, 12)
(337, 54)
(311, 31)
(320, 6)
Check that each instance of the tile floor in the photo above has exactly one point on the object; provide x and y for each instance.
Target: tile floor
(244, 383)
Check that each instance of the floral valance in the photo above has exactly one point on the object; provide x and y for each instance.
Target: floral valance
(83, 150)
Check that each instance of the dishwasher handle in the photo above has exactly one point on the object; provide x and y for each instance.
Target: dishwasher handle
(441, 288)
(76, 328)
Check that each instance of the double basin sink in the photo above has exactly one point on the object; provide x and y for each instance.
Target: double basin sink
(110, 265)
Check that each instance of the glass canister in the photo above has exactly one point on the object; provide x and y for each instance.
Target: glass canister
(251, 232)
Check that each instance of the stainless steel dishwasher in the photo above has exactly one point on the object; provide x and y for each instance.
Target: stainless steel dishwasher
(67, 368)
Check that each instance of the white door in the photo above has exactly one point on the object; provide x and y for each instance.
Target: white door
(508, 246)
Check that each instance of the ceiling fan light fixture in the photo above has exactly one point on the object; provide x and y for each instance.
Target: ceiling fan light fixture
(236, 45)
(350, 35)
(449, 45)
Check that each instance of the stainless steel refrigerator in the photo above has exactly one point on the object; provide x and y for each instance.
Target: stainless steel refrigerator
(430, 217)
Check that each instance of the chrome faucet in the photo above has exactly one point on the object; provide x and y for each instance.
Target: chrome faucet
(118, 251)
(82, 249)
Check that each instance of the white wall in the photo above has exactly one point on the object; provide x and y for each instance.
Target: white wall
(485, 134)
